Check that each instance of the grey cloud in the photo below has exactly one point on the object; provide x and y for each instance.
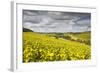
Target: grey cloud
(49, 21)
(84, 22)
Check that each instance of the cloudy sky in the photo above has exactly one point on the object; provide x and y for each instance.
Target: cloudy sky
(50, 21)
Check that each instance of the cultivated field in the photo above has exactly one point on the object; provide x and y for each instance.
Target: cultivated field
(41, 47)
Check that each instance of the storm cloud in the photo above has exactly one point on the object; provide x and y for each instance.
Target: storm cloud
(53, 21)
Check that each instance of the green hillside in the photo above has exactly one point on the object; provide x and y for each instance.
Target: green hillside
(27, 30)
(82, 37)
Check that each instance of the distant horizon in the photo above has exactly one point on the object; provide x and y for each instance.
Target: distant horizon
(59, 32)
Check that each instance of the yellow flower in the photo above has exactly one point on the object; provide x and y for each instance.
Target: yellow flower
(51, 54)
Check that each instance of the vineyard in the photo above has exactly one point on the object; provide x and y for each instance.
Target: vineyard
(39, 47)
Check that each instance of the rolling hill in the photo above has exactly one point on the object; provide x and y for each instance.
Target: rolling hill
(39, 47)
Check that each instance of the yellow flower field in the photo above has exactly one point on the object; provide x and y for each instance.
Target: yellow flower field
(40, 48)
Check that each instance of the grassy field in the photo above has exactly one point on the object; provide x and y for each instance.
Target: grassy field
(41, 47)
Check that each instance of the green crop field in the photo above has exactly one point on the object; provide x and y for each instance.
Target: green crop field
(41, 47)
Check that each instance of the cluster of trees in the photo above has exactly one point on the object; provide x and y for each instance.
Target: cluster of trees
(72, 38)
(81, 40)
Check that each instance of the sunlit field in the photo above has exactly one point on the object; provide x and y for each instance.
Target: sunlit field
(44, 47)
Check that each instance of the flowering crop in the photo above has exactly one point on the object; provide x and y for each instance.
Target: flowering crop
(39, 48)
